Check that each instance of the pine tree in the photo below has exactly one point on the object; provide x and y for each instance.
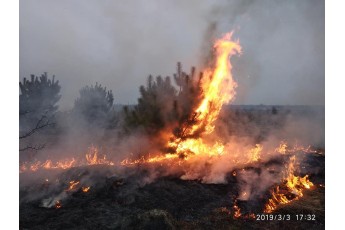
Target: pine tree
(37, 108)
(94, 104)
(154, 107)
(161, 105)
(188, 98)
(38, 97)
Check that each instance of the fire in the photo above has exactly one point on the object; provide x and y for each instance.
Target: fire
(48, 164)
(218, 88)
(160, 158)
(294, 183)
(255, 153)
(197, 147)
(92, 157)
(58, 204)
(72, 185)
(149, 159)
(65, 164)
(85, 189)
(188, 150)
(35, 166)
(237, 210)
(198, 144)
(237, 213)
(293, 188)
(251, 216)
(282, 148)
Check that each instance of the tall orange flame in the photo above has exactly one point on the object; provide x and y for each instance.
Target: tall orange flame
(218, 88)
(218, 85)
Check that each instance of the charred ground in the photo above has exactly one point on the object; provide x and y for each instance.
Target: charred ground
(139, 201)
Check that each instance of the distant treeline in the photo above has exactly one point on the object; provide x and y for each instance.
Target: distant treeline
(164, 103)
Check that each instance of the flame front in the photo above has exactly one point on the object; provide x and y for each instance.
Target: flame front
(293, 188)
(92, 157)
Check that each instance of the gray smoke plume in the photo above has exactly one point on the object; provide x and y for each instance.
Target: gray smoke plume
(119, 45)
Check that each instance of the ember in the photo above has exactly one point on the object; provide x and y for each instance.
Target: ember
(237, 210)
(85, 189)
(58, 204)
(72, 185)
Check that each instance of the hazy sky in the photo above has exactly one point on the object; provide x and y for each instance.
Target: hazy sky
(119, 43)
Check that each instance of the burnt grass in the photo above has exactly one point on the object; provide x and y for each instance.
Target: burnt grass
(164, 202)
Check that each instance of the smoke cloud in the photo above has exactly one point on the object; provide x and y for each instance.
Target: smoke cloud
(119, 45)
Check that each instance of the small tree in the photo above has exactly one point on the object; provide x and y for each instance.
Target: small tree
(161, 105)
(154, 105)
(37, 106)
(94, 104)
(189, 96)
(38, 97)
